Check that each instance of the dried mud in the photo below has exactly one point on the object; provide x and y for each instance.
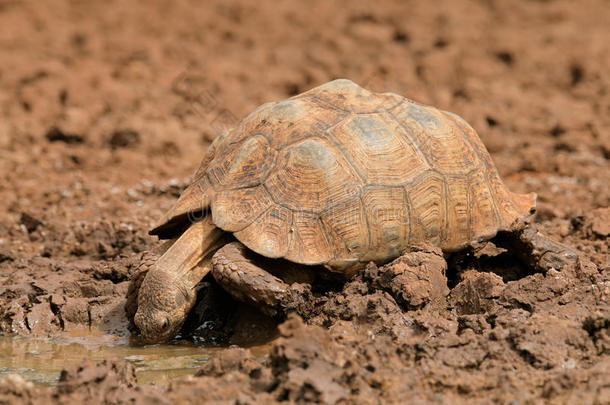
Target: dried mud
(106, 109)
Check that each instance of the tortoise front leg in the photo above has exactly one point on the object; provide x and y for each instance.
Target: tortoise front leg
(240, 272)
(146, 261)
(536, 250)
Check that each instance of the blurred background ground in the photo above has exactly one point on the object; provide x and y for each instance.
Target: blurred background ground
(107, 107)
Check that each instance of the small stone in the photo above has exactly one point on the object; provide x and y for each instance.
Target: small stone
(124, 138)
(41, 319)
(30, 222)
(600, 221)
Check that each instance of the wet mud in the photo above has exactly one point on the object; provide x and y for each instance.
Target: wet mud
(106, 110)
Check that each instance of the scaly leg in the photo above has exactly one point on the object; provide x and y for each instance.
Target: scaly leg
(536, 250)
(241, 273)
(145, 262)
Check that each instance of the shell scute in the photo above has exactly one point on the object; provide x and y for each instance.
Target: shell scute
(438, 139)
(269, 234)
(233, 210)
(309, 241)
(378, 149)
(346, 225)
(388, 220)
(247, 165)
(348, 96)
(427, 196)
(312, 176)
(458, 214)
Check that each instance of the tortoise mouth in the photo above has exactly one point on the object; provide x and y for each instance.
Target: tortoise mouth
(156, 339)
(152, 337)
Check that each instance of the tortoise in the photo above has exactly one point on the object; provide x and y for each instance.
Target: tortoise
(330, 180)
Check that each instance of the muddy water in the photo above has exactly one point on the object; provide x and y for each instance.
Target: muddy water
(41, 360)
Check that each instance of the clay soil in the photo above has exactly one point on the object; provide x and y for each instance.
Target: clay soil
(106, 109)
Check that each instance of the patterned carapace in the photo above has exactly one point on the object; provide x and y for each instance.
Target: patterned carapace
(341, 176)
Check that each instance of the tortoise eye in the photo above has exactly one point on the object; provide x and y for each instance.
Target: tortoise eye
(165, 324)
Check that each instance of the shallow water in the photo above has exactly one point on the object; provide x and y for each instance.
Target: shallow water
(41, 360)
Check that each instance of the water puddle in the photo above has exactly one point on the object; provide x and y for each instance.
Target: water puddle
(41, 360)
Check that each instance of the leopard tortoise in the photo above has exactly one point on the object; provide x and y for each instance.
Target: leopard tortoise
(329, 180)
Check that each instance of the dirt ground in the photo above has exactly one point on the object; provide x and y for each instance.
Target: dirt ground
(106, 109)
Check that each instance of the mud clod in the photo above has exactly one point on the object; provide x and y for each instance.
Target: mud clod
(55, 134)
(30, 222)
(124, 138)
(104, 115)
(477, 293)
(414, 280)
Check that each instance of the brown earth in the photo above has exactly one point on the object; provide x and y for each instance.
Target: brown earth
(106, 109)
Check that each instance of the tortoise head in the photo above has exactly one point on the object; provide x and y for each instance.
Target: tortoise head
(163, 304)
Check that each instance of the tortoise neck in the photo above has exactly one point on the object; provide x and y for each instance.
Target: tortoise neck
(185, 260)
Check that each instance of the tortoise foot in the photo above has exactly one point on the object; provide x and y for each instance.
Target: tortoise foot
(538, 251)
(146, 261)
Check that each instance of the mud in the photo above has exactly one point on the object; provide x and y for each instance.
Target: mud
(106, 110)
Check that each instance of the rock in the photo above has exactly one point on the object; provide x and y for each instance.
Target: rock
(55, 134)
(13, 319)
(598, 222)
(231, 388)
(30, 223)
(306, 364)
(229, 360)
(15, 390)
(75, 313)
(107, 377)
(546, 342)
(124, 138)
(41, 320)
(6, 255)
(107, 382)
(597, 326)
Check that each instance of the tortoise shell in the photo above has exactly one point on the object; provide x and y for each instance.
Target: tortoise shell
(340, 176)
